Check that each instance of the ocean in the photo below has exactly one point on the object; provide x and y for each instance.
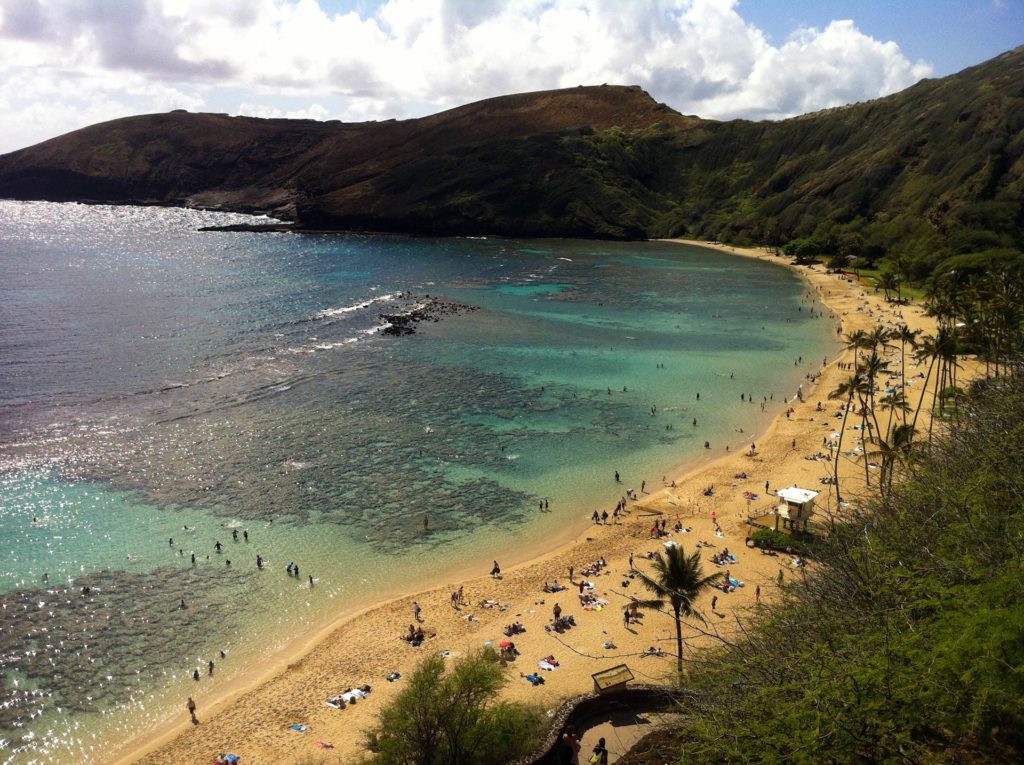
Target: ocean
(163, 390)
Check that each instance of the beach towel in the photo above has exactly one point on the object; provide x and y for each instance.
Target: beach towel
(299, 728)
(394, 676)
(546, 665)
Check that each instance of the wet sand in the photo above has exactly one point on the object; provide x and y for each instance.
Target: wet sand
(251, 719)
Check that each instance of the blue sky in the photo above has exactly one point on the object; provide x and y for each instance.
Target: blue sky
(65, 64)
(949, 34)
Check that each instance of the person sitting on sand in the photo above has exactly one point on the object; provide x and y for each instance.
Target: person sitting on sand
(411, 635)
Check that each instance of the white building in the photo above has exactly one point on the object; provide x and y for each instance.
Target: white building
(795, 509)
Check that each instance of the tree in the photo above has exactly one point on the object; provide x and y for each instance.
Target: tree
(905, 336)
(888, 282)
(454, 718)
(679, 579)
(892, 450)
(847, 389)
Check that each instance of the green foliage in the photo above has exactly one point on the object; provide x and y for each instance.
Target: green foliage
(678, 579)
(770, 539)
(906, 645)
(454, 718)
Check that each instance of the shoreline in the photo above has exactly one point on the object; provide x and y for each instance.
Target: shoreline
(174, 737)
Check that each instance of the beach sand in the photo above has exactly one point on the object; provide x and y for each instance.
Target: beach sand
(253, 719)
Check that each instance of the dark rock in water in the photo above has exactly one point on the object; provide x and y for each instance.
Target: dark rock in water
(427, 309)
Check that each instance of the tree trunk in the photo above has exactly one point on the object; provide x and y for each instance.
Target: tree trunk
(839, 448)
(903, 376)
(924, 391)
(679, 638)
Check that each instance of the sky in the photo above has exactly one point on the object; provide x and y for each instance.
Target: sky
(65, 64)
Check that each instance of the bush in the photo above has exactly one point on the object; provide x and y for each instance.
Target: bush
(770, 539)
(906, 643)
(454, 718)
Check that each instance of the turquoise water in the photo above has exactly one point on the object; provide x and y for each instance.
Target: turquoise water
(162, 388)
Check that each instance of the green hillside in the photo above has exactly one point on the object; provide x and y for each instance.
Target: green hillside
(934, 171)
(907, 643)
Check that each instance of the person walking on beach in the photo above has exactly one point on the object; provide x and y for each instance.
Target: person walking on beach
(600, 753)
(217, 546)
(757, 594)
(571, 572)
(714, 603)
(557, 611)
(496, 570)
(209, 668)
(417, 612)
(191, 706)
(617, 480)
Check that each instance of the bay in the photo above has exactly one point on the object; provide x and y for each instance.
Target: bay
(163, 390)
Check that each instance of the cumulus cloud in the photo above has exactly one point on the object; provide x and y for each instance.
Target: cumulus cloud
(67, 63)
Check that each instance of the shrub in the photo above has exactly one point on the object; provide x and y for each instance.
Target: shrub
(770, 539)
(454, 718)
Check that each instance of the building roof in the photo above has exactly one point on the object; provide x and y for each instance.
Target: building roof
(796, 496)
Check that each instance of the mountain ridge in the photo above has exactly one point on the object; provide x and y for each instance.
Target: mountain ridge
(937, 166)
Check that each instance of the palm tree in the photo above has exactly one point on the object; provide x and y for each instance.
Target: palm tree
(679, 579)
(847, 389)
(896, 401)
(905, 336)
(871, 368)
(889, 282)
(895, 449)
(857, 341)
(928, 349)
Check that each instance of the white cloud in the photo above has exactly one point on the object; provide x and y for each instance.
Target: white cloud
(65, 64)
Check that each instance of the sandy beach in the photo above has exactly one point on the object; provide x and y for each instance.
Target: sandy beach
(252, 718)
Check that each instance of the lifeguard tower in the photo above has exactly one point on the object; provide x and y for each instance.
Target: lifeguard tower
(795, 508)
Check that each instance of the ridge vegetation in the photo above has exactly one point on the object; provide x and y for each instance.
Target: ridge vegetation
(908, 180)
(904, 646)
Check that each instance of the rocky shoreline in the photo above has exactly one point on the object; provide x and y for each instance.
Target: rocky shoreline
(426, 308)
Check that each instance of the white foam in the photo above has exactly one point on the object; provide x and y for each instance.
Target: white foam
(331, 313)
